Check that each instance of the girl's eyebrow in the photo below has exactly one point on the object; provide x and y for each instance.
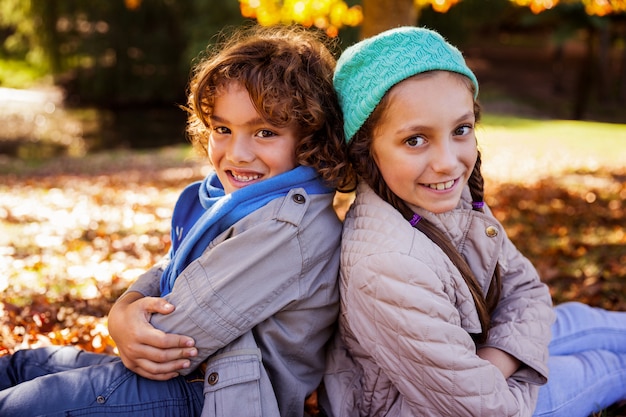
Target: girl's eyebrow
(468, 115)
(417, 127)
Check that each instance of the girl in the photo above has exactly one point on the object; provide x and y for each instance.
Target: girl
(440, 314)
(254, 260)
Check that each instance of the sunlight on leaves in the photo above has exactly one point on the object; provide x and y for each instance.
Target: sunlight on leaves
(592, 7)
(441, 6)
(132, 4)
(328, 15)
(71, 244)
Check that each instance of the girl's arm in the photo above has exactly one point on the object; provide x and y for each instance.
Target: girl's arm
(402, 316)
(520, 325)
(507, 364)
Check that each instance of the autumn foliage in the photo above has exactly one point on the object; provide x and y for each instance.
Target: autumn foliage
(332, 15)
(329, 15)
(74, 234)
(592, 7)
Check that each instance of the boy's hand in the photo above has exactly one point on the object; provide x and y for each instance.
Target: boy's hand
(145, 350)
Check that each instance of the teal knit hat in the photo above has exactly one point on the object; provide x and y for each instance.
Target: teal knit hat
(367, 70)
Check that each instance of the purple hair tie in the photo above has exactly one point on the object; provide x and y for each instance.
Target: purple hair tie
(478, 205)
(416, 218)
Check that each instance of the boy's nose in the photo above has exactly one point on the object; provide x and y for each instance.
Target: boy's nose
(240, 149)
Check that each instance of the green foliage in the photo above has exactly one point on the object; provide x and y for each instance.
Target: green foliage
(107, 54)
(20, 38)
(204, 21)
(19, 74)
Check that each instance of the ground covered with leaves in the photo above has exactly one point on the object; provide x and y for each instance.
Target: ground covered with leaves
(74, 233)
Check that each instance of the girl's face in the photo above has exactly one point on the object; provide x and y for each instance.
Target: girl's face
(424, 144)
(243, 148)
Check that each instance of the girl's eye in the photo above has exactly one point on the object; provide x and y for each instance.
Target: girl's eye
(463, 130)
(264, 133)
(415, 141)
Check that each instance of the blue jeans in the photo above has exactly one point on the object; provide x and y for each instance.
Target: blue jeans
(587, 362)
(64, 381)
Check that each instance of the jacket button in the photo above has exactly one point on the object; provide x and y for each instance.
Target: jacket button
(213, 378)
(100, 399)
(298, 198)
(491, 231)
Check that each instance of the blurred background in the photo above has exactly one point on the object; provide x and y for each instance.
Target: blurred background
(81, 76)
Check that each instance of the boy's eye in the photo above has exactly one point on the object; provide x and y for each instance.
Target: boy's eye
(264, 133)
(221, 130)
(415, 141)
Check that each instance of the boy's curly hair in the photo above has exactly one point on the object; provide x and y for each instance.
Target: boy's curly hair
(287, 70)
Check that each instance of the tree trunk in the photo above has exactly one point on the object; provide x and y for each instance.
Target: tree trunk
(603, 77)
(48, 12)
(380, 15)
(622, 75)
(585, 76)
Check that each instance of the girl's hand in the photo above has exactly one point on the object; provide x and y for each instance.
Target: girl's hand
(506, 363)
(145, 350)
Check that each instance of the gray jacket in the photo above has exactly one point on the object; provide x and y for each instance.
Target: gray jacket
(260, 303)
(406, 313)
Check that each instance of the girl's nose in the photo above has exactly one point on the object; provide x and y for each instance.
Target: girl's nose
(444, 156)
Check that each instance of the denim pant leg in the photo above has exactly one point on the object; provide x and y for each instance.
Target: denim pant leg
(587, 362)
(27, 364)
(103, 389)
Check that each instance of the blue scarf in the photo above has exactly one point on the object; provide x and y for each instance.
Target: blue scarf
(204, 211)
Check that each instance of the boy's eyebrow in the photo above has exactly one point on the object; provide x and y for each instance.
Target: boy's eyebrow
(252, 122)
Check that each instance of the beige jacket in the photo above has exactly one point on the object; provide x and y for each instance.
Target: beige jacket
(406, 313)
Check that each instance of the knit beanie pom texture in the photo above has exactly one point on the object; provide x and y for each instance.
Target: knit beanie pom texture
(368, 69)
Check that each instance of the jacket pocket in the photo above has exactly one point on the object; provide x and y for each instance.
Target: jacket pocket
(232, 385)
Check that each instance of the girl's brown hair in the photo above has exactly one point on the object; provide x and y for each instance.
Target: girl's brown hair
(287, 70)
(359, 154)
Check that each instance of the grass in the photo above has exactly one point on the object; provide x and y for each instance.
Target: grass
(526, 150)
(514, 149)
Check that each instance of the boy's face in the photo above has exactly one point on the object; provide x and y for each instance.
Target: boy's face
(243, 148)
(424, 144)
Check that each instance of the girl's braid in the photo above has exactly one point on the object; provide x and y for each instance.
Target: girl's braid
(476, 185)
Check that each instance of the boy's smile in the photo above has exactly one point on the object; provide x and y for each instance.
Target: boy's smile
(244, 148)
(424, 144)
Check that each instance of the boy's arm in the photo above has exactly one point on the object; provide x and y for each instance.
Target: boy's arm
(234, 286)
(251, 272)
(147, 351)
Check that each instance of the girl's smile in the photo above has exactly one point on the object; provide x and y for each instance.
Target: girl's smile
(424, 143)
(442, 185)
(244, 148)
